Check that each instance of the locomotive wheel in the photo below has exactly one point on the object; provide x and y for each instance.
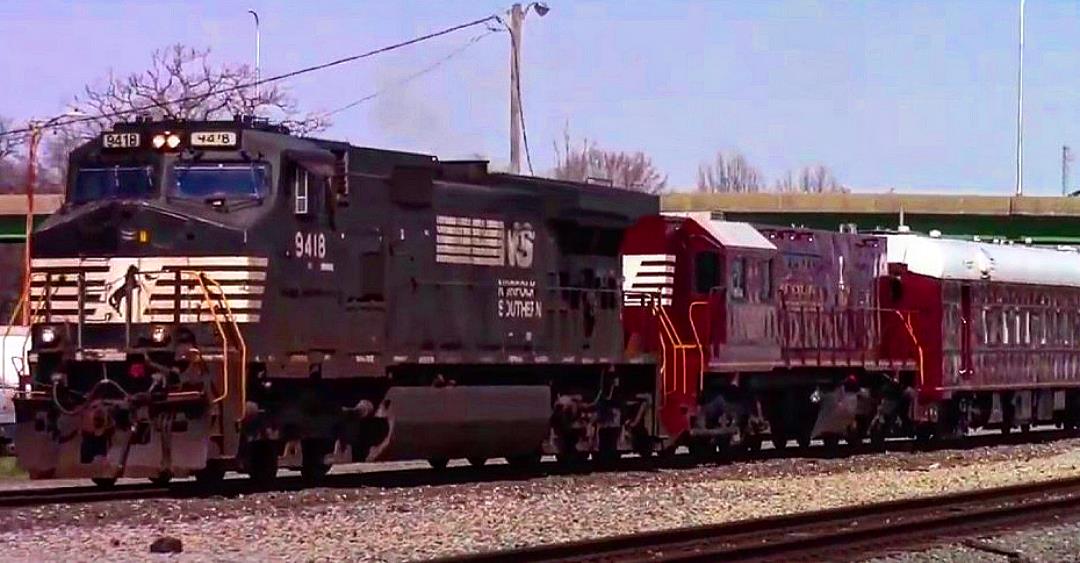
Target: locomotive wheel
(314, 472)
(525, 461)
(314, 467)
(104, 482)
(572, 458)
(1025, 428)
(212, 475)
(831, 441)
(804, 441)
(701, 449)
(477, 461)
(263, 463)
(753, 444)
(438, 463)
(162, 480)
(779, 441)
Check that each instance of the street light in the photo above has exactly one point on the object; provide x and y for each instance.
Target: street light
(517, 16)
(1020, 110)
(36, 128)
(258, 46)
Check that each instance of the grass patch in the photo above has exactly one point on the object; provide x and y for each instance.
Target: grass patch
(9, 469)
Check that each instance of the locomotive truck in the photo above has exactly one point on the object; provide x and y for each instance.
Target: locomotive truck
(224, 295)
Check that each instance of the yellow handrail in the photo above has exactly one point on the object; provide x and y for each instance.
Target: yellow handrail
(658, 310)
(697, 342)
(914, 340)
(239, 337)
(202, 279)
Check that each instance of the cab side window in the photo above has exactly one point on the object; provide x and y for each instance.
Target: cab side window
(738, 279)
(706, 271)
(301, 191)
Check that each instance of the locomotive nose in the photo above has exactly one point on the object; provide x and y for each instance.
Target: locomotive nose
(129, 228)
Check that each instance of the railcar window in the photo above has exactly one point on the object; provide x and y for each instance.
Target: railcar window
(738, 278)
(221, 181)
(766, 280)
(706, 271)
(117, 182)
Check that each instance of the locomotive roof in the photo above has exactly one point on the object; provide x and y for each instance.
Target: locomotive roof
(968, 260)
(730, 234)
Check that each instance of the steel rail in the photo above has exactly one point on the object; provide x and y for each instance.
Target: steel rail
(416, 477)
(833, 534)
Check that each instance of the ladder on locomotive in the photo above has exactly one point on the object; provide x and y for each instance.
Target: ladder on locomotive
(228, 330)
(675, 376)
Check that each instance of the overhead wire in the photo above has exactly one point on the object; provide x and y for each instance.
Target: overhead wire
(276, 78)
(430, 68)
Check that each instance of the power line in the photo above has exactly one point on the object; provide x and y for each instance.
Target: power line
(413, 76)
(521, 104)
(276, 78)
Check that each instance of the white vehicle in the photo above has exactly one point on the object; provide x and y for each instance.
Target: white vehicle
(13, 347)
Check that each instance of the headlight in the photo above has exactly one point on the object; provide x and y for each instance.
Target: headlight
(158, 141)
(48, 335)
(159, 334)
(173, 141)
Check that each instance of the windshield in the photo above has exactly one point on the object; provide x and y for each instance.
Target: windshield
(117, 182)
(220, 181)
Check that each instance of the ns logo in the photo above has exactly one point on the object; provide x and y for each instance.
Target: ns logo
(520, 239)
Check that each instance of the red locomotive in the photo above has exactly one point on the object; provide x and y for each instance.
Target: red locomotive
(790, 333)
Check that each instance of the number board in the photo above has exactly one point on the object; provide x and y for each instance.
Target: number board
(120, 140)
(213, 139)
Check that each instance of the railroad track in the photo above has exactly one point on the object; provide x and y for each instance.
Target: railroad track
(396, 478)
(836, 534)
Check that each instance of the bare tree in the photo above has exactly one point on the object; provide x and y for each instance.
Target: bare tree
(12, 162)
(182, 83)
(626, 170)
(9, 142)
(814, 179)
(729, 174)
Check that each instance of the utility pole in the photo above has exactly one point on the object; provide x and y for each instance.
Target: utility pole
(258, 47)
(31, 181)
(1066, 158)
(516, 16)
(34, 138)
(1020, 111)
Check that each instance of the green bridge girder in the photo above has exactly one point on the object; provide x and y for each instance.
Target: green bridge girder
(1043, 220)
(1046, 220)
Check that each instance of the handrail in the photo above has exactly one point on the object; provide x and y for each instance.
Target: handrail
(697, 342)
(914, 340)
(677, 344)
(202, 278)
(239, 337)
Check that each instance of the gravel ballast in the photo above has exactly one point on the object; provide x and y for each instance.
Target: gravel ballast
(406, 523)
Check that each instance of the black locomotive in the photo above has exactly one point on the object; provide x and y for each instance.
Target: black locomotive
(224, 295)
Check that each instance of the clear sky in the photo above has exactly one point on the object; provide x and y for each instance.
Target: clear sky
(920, 96)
